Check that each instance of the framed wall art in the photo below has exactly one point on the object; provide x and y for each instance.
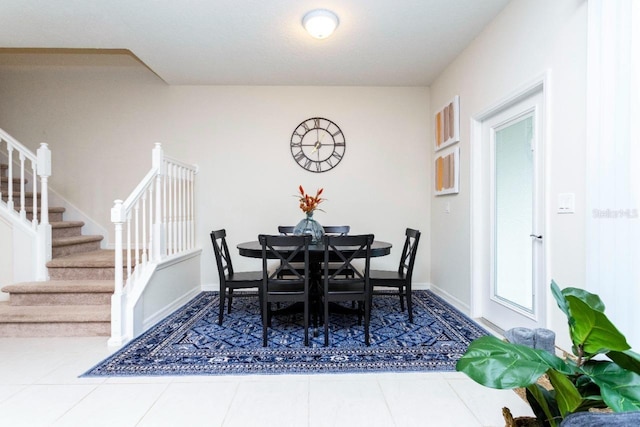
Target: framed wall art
(447, 124)
(447, 171)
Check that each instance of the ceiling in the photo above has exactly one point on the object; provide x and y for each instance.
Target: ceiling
(259, 42)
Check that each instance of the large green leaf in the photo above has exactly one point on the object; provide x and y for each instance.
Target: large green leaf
(560, 299)
(567, 395)
(592, 330)
(592, 300)
(498, 364)
(543, 404)
(620, 388)
(627, 359)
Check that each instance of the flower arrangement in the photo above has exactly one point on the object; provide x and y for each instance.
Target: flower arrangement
(308, 203)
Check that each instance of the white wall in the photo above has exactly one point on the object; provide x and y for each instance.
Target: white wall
(528, 38)
(101, 115)
(6, 256)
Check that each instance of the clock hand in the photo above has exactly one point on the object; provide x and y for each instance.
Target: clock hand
(316, 146)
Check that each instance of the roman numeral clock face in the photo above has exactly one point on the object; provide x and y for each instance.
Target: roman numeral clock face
(317, 144)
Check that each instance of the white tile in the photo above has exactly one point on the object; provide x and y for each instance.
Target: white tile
(6, 391)
(270, 401)
(27, 368)
(191, 404)
(487, 403)
(347, 400)
(418, 402)
(41, 405)
(113, 405)
(42, 373)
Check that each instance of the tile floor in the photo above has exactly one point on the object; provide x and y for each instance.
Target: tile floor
(39, 386)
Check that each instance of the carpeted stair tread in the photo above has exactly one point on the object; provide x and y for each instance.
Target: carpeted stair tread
(54, 314)
(52, 209)
(66, 224)
(99, 258)
(61, 286)
(75, 240)
(16, 195)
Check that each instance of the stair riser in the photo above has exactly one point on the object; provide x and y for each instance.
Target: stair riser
(28, 200)
(66, 232)
(53, 216)
(4, 182)
(61, 251)
(43, 299)
(62, 329)
(80, 273)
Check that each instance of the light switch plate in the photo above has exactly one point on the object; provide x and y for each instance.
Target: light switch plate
(566, 203)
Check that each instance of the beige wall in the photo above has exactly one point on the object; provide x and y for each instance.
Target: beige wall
(527, 39)
(102, 114)
(6, 256)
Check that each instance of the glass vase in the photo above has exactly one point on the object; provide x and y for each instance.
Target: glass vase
(310, 226)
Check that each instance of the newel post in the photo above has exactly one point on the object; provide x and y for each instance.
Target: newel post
(159, 243)
(44, 228)
(44, 172)
(118, 302)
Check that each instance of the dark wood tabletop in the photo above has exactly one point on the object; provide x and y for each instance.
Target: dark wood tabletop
(316, 252)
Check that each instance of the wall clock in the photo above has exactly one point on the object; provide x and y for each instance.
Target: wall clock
(317, 144)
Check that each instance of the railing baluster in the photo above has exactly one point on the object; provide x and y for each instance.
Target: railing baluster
(23, 212)
(174, 209)
(34, 192)
(150, 242)
(144, 227)
(164, 209)
(179, 210)
(129, 260)
(136, 233)
(10, 177)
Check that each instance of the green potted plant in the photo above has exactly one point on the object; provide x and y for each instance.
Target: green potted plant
(603, 372)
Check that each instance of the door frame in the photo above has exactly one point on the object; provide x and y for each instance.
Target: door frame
(480, 195)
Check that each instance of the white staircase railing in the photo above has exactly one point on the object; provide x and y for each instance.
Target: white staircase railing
(158, 218)
(34, 166)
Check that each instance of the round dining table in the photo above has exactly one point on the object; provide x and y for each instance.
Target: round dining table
(253, 249)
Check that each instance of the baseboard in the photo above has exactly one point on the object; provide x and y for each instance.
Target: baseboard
(421, 286)
(463, 307)
(210, 287)
(168, 309)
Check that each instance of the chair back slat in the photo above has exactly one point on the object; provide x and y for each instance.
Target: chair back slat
(334, 230)
(408, 257)
(295, 247)
(286, 230)
(338, 247)
(337, 230)
(221, 252)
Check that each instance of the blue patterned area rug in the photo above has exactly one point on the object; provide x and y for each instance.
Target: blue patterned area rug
(190, 342)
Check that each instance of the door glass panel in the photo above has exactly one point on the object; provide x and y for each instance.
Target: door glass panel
(513, 278)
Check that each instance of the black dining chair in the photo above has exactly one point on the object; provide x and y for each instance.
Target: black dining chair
(337, 287)
(401, 278)
(330, 230)
(333, 230)
(231, 280)
(287, 283)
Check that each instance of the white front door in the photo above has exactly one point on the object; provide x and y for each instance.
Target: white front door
(512, 287)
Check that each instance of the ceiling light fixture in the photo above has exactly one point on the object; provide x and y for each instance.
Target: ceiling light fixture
(320, 23)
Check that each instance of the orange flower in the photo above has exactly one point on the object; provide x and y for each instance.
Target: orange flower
(308, 203)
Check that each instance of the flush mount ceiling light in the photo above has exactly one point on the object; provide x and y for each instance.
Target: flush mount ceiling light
(320, 23)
